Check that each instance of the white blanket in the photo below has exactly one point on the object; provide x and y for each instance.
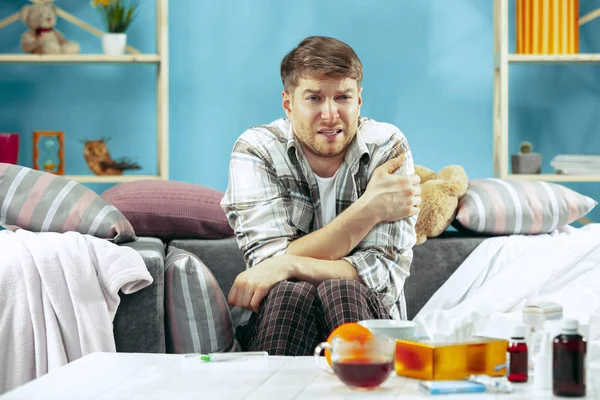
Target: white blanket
(486, 294)
(58, 298)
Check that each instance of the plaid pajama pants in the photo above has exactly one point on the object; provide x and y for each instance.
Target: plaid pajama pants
(296, 316)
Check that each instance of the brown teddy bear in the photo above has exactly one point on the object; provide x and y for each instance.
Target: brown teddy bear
(41, 37)
(439, 199)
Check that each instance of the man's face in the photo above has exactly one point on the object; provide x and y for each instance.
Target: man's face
(324, 114)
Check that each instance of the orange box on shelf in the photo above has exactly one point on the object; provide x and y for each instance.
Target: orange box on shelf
(427, 360)
(547, 26)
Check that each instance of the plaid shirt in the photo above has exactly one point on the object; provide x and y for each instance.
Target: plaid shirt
(273, 198)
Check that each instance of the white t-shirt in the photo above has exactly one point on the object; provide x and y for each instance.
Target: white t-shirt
(327, 195)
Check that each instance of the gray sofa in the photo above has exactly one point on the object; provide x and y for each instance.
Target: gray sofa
(139, 325)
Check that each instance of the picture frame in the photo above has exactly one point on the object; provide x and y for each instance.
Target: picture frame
(49, 152)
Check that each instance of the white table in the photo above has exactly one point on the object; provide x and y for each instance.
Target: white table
(161, 376)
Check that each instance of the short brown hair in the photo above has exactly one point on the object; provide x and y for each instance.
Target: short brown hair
(318, 56)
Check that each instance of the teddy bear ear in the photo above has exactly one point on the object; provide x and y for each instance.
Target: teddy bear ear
(456, 178)
(24, 13)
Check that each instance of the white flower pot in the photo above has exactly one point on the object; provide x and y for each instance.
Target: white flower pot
(114, 43)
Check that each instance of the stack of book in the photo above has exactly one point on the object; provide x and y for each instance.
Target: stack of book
(547, 27)
(576, 164)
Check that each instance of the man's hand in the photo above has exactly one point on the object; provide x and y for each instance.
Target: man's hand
(392, 197)
(252, 286)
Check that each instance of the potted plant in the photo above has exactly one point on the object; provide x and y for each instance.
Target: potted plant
(526, 162)
(117, 16)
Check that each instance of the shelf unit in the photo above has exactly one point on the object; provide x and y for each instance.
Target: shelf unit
(160, 59)
(502, 60)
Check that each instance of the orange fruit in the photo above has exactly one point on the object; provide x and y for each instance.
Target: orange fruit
(350, 331)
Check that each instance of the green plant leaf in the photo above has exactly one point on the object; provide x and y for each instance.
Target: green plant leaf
(118, 16)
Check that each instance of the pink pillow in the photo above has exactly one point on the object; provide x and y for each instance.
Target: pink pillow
(170, 210)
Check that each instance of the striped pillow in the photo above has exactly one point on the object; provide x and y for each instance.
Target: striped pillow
(503, 207)
(198, 316)
(41, 202)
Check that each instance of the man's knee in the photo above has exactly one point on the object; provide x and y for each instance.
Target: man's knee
(341, 288)
(291, 295)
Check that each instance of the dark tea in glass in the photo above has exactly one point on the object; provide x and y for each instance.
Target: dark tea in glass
(363, 372)
(360, 364)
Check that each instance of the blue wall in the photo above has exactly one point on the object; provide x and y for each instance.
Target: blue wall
(428, 69)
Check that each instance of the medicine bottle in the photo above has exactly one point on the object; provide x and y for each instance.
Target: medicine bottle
(568, 361)
(517, 355)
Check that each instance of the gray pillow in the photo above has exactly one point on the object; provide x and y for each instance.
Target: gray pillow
(38, 201)
(503, 207)
(197, 313)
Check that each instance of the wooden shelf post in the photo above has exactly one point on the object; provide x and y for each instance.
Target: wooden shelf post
(162, 87)
(500, 88)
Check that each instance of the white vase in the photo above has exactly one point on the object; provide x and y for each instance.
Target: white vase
(114, 43)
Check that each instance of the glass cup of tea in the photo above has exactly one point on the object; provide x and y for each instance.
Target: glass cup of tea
(359, 364)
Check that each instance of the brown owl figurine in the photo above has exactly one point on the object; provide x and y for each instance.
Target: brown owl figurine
(100, 162)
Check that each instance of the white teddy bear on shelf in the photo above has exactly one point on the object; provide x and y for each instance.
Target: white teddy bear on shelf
(41, 37)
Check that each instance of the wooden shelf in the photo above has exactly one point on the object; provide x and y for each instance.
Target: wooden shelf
(79, 59)
(133, 56)
(110, 178)
(554, 58)
(555, 177)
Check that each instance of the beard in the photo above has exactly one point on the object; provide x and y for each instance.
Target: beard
(317, 143)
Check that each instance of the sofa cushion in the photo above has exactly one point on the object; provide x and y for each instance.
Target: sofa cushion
(504, 206)
(139, 325)
(170, 210)
(41, 202)
(198, 316)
